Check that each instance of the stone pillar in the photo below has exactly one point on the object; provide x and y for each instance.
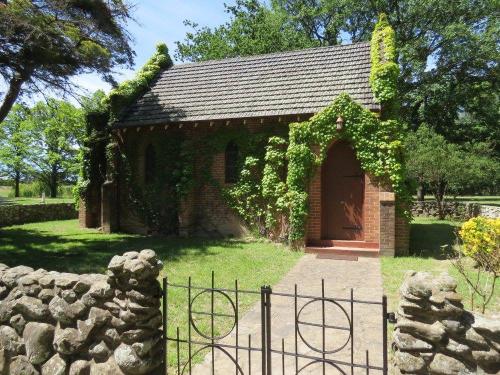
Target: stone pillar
(63, 323)
(435, 335)
(387, 224)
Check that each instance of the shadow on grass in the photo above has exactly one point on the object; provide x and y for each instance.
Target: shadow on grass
(427, 239)
(83, 253)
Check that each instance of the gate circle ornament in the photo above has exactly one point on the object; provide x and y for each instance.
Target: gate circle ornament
(337, 305)
(319, 361)
(233, 316)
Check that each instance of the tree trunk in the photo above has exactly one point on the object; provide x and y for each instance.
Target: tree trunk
(439, 194)
(14, 89)
(53, 182)
(17, 180)
(420, 192)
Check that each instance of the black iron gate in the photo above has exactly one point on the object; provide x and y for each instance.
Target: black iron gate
(264, 357)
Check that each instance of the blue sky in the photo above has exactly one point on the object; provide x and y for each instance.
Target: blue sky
(161, 21)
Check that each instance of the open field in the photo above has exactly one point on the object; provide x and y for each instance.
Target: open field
(6, 200)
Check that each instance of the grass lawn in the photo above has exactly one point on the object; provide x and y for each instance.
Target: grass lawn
(427, 237)
(63, 246)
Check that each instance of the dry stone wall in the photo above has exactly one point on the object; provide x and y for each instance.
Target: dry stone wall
(453, 210)
(435, 335)
(492, 212)
(21, 214)
(55, 323)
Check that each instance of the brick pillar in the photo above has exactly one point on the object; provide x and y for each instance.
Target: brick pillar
(109, 222)
(314, 217)
(186, 216)
(387, 224)
(402, 235)
(89, 209)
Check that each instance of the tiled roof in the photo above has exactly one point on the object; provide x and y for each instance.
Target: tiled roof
(277, 84)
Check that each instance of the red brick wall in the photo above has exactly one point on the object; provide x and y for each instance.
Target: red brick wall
(204, 211)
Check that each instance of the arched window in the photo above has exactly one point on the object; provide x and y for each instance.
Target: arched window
(231, 165)
(149, 164)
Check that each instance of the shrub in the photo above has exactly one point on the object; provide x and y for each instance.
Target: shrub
(479, 240)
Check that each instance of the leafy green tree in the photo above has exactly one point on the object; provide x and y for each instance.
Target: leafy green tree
(15, 145)
(253, 29)
(445, 167)
(57, 130)
(43, 43)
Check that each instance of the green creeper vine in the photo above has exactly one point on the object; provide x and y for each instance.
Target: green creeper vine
(274, 189)
(128, 91)
(384, 68)
(112, 106)
(378, 143)
(378, 146)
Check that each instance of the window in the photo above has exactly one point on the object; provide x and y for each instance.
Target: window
(231, 165)
(149, 164)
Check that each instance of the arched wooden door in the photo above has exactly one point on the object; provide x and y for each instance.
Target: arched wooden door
(342, 194)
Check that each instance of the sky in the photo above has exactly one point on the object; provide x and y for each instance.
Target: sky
(160, 21)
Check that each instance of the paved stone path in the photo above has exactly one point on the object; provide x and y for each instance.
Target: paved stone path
(340, 276)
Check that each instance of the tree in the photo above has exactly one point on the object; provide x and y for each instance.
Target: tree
(44, 43)
(15, 145)
(93, 102)
(253, 29)
(445, 167)
(57, 129)
(448, 51)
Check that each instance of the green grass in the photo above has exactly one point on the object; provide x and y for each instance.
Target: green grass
(493, 200)
(426, 238)
(4, 191)
(63, 246)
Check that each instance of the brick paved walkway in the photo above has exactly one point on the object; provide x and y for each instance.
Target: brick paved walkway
(340, 276)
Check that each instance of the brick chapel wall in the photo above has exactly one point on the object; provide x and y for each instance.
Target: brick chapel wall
(203, 212)
(212, 215)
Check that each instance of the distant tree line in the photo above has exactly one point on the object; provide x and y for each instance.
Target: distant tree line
(41, 143)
